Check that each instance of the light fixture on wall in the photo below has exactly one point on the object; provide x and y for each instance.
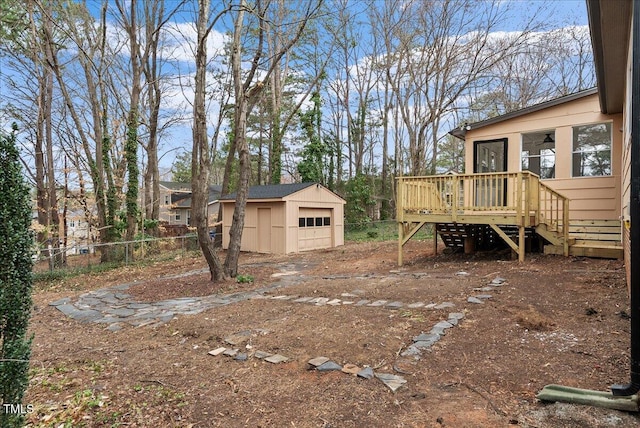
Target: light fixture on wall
(548, 139)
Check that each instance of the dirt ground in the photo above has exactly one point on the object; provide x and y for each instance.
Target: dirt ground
(554, 320)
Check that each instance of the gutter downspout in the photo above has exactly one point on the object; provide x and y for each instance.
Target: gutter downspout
(634, 385)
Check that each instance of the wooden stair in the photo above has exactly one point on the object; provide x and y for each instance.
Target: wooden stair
(591, 238)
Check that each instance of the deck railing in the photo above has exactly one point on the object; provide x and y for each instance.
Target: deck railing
(519, 194)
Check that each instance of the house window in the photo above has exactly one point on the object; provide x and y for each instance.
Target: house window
(592, 150)
(301, 222)
(72, 223)
(327, 221)
(167, 199)
(178, 217)
(539, 153)
(309, 221)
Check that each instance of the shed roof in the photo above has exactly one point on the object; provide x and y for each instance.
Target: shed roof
(461, 132)
(273, 191)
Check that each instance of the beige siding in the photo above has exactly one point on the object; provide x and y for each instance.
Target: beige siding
(591, 197)
(285, 235)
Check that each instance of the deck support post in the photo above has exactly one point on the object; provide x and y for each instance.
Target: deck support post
(400, 242)
(521, 243)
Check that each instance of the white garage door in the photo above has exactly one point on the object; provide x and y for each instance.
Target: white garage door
(315, 228)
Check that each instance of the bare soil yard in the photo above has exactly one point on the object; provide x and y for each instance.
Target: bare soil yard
(554, 320)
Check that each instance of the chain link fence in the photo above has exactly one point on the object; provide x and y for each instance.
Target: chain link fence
(87, 257)
(99, 256)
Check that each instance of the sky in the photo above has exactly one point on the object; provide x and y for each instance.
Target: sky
(561, 13)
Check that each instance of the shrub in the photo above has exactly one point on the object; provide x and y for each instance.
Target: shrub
(15, 281)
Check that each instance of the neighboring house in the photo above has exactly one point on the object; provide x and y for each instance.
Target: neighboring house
(80, 236)
(287, 218)
(555, 174)
(175, 203)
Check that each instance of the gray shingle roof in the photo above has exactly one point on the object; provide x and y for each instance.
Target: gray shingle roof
(271, 191)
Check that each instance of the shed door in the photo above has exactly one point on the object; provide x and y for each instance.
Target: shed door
(315, 228)
(264, 230)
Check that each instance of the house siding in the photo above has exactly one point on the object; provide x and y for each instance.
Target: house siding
(591, 198)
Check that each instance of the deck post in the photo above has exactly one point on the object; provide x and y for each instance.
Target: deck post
(435, 238)
(521, 246)
(400, 242)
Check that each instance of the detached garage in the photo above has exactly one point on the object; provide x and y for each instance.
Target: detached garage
(287, 218)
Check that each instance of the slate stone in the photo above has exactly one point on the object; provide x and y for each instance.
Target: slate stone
(411, 351)
(415, 305)
(377, 303)
(344, 302)
(241, 357)
(456, 315)
(366, 373)
(318, 361)
(261, 354)
(474, 300)
(230, 352)
(165, 317)
(426, 344)
(282, 297)
(303, 299)
(430, 306)
(440, 331)
(392, 381)
(322, 301)
(483, 289)
(444, 305)
(138, 305)
(362, 302)
(238, 338)
(498, 281)
(122, 296)
(124, 312)
(328, 366)
(79, 314)
(395, 305)
(453, 321)
(462, 273)
(426, 337)
(484, 296)
(444, 324)
(276, 358)
(217, 351)
(334, 302)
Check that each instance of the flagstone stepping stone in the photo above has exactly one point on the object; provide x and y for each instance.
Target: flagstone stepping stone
(392, 381)
(462, 273)
(344, 302)
(484, 296)
(351, 369)
(483, 289)
(444, 305)
(276, 358)
(349, 295)
(230, 352)
(282, 297)
(241, 357)
(303, 299)
(329, 366)
(318, 361)
(366, 373)
(395, 305)
(456, 315)
(498, 281)
(334, 302)
(444, 324)
(60, 302)
(362, 302)
(475, 300)
(426, 337)
(415, 305)
(217, 351)
(321, 301)
(377, 303)
(261, 354)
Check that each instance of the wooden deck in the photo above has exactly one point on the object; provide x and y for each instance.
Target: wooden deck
(500, 201)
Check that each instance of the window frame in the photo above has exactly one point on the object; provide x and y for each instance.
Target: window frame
(579, 154)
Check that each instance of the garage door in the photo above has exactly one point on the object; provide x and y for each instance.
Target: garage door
(315, 228)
